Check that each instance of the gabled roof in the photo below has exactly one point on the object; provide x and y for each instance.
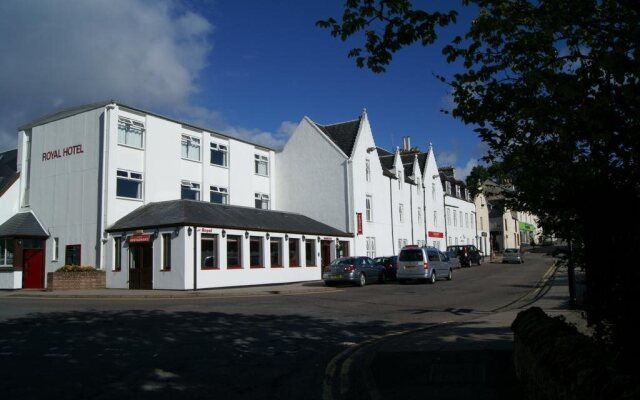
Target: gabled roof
(8, 169)
(205, 214)
(383, 152)
(422, 161)
(69, 112)
(407, 164)
(342, 134)
(387, 161)
(23, 224)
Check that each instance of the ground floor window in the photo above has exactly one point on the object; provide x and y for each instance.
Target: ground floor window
(209, 252)
(255, 252)
(6, 252)
(166, 251)
(234, 252)
(117, 253)
(344, 249)
(310, 250)
(72, 254)
(371, 247)
(275, 250)
(294, 252)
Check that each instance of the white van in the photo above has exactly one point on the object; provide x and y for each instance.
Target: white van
(422, 263)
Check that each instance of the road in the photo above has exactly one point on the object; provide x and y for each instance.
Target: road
(257, 347)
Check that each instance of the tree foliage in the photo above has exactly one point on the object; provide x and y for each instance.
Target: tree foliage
(553, 88)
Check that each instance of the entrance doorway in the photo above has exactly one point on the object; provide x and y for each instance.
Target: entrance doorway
(140, 266)
(325, 253)
(33, 269)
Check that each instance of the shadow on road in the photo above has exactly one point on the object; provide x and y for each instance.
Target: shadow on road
(154, 354)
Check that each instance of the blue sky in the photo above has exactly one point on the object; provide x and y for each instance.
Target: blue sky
(247, 68)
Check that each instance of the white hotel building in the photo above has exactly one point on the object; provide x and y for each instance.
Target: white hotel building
(161, 204)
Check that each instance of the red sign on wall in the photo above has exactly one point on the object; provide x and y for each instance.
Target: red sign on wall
(359, 216)
(434, 234)
(65, 152)
(139, 238)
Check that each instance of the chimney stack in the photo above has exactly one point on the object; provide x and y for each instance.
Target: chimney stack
(448, 172)
(406, 143)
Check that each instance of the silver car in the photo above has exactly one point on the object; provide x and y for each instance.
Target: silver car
(453, 259)
(357, 270)
(422, 263)
(512, 256)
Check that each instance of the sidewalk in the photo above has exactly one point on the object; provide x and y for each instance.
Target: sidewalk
(467, 360)
(246, 291)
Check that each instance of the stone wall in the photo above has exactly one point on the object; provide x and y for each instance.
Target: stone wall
(75, 280)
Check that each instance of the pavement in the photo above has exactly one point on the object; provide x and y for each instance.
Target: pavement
(466, 359)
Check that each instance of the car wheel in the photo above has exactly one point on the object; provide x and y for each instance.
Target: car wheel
(362, 280)
(327, 283)
(432, 280)
(450, 276)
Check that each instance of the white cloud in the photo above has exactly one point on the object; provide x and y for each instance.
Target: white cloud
(463, 172)
(65, 53)
(287, 127)
(446, 158)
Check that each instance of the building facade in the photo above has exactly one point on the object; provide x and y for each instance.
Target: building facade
(460, 210)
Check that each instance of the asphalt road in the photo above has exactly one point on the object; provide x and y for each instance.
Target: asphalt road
(260, 347)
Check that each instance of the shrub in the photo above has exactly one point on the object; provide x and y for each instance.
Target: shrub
(76, 268)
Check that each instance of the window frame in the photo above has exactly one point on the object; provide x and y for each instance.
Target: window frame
(258, 160)
(280, 256)
(72, 246)
(238, 239)
(55, 249)
(131, 122)
(165, 263)
(310, 256)
(262, 197)
(367, 170)
(117, 253)
(368, 208)
(260, 241)
(401, 212)
(213, 238)
(8, 245)
(190, 139)
(223, 191)
(191, 186)
(130, 178)
(294, 252)
(222, 148)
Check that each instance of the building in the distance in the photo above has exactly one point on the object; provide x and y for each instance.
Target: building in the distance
(460, 210)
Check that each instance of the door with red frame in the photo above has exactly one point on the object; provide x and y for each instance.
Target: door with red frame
(33, 269)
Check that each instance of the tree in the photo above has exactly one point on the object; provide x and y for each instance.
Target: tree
(554, 88)
(476, 177)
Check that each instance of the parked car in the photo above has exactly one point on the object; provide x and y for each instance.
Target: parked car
(356, 270)
(453, 259)
(512, 256)
(422, 263)
(468, 254)
(390, 265)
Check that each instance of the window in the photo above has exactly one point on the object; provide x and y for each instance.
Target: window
(401, 212)
(294, 252)
(466, 220)
(262, 201)
(400, 180)
(466, 195)
(218, 154)
(447, 186)
(255, 252)
(117, 253)
(27, 166)
(458, 191)
(6, 252)
(189, 190)
(190, 148)
(367, 170)
(218, 195)
(506, 227)
(369, 206)
(371, 247)
(455, 218)
(481, 224)
(166, 252)
(310, 252)
(275, 250)
(72, 255)
(130, 132)
(435, 219)
(262, 165)
(448, 216)
(461, 219)
(419, 214)
(471, 220)
(129, 184)
(209, 252)
(55, 250)
(234, 252)
(433, 191)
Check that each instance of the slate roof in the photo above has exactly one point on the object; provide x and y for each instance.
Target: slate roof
(383, 152)
(407, 164)
(342, 134)
(69, 112)
(22, 224)
(205, 214)
(386, 161)
(422, 161)
(8, 169)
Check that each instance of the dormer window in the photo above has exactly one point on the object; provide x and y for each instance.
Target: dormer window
(447, 187)
(400, 180)
(458, 192)
(130, 132)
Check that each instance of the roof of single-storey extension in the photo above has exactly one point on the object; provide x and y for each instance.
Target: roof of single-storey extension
(69, 112)
(205, 214)
(342, 134)
(8, 169)
(23, 224)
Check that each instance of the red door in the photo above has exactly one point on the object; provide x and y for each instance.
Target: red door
(33, 269)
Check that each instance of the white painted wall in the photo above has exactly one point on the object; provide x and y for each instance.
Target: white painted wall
(10, 279)
(459, 232)
(434, 200)
(483, 241)
(9, 202)
(313, 178)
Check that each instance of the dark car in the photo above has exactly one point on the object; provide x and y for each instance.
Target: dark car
(390, 265)
(357, 270)
(467, 253)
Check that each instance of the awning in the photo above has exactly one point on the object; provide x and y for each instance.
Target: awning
(23, 224)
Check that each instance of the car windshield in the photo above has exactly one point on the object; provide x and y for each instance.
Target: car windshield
(411, 255)
(433, 257)
(452, 254)
(344, 261)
